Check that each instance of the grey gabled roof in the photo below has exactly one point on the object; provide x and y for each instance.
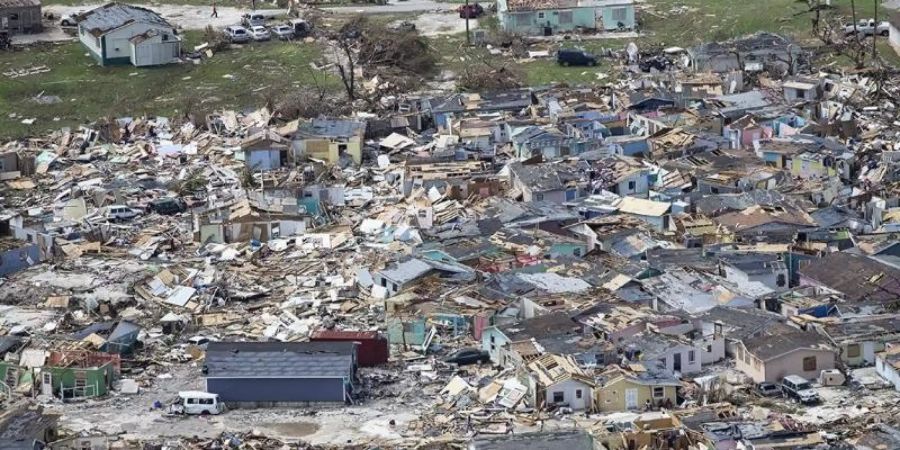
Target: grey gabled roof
(279, 359)
(114, 15)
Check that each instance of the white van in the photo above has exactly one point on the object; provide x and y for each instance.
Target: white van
(197, 402)
(120, 212)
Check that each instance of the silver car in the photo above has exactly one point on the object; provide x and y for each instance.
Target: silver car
(260, 33)
(237, 35)
(283, 32)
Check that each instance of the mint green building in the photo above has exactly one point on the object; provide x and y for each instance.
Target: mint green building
(551, 17)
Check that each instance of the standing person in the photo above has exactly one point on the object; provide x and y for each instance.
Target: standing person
(252, 5)
(215, 13)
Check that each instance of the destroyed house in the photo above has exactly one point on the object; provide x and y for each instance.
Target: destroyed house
(765, 223)
(402, 275)
(445, 110)
(860, 278)
(457, 179)
(26, 429)
(111, 337)
(330, 140)
(20, 16)
(70, 372)
(241, 222)
(663, 353)
(547, 182)
(264, 150)
(547, 141)
(858, 340)
(263, 373)
(496, 339)
(551, 17)
(14, 165)
(545, 440)
(755, 53)
(561, 382)
(621, 175)
(117, 33)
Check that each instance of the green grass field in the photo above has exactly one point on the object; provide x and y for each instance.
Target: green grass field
(236, 78)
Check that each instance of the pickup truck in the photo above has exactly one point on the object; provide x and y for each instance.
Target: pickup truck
(867, 27)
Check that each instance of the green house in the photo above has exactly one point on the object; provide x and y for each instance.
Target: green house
(66, 382)
(547, 18)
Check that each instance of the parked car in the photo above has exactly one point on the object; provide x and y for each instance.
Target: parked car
(767, 389)
(197, 402)
(283, 32)
(70, 20)
(799, 389)
(470, 11)
(868, 27)
(168, 206)
(466, 356)
(253, 19)
(574, 57)
(237, 35)
(120, 212)
(260, 33)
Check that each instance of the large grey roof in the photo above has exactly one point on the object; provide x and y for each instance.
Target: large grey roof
(279, 359)
(114, 15)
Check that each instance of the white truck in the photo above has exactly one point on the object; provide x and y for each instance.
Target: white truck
(867, 27)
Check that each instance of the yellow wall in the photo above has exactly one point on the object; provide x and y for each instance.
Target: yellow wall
(611, 397)
(326, 150)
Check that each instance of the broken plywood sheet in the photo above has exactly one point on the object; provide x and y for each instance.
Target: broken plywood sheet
(180, 295)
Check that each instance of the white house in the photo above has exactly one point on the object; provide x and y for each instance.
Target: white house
(117, 33)
(887, 364)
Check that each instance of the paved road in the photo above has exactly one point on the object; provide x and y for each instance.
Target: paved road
(395, 6)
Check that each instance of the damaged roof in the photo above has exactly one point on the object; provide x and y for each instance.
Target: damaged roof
(108, 17)
(857, 276)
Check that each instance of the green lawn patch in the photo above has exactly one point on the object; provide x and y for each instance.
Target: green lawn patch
(236, 78)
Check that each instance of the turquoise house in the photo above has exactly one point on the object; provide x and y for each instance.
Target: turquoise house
(550, 17)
